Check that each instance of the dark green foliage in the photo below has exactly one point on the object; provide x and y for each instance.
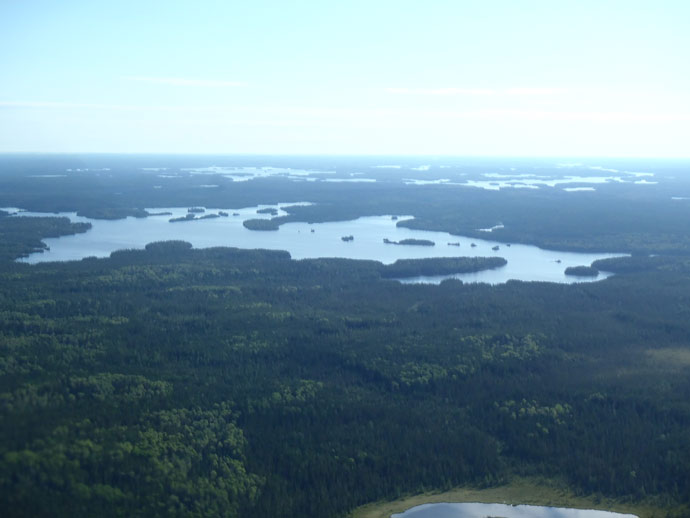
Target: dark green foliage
(643, 263)
(440, 266)
(21, 236)
(187, 217)
(165, 248)
(173, 381)
(178, 382)
(261, 224)
(582, 271)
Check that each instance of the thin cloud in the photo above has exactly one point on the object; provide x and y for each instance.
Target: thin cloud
(589, 116)
(476, 91)
(179, 81)
(441, 91)
(303, 115)
(535, 91)
(42, 104)
(86, 106)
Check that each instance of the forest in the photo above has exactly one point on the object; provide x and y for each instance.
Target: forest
(174, 381)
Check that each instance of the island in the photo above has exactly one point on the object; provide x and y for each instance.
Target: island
(582, 271)
(192, 217)
(260, 224)
(440, 266)
(413, 242)
(453, 244)
(223, 213)
(346, 238)
(196, 210)
(188, 217)
(268, 210)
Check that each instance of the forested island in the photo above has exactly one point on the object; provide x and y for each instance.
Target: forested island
(582, 271)
(410, 242)
(440, 266)
(260, 224)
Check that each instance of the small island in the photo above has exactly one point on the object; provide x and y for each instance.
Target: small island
(268, 210)
(188, 217)
(260, 224)
(453, 244)
(223, 213)
(440, 266)
(192, 217)
(582, 271)
(413, 242)
(196, 210)
(346, 238)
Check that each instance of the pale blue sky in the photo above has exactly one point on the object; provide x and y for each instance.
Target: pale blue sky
(497, 78)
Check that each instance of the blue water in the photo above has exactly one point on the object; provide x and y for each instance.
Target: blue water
(304, 241)
(475, 510)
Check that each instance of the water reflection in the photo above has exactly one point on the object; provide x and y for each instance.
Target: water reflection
(476, 510)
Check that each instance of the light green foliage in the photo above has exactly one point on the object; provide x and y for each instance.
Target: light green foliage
(421, 373)
(182, 462)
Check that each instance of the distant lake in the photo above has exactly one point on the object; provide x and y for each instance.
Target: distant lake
(307, 241)
(475, 510)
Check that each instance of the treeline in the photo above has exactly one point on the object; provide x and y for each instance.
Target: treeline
(440, 266)
(582, 271)
(21, 236)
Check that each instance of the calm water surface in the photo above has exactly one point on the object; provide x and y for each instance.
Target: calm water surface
(474, 510)
(306, 241)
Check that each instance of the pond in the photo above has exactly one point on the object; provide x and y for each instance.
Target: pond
(306, 241)
(476, 510)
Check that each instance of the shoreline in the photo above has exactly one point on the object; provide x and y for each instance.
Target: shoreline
(519, 491)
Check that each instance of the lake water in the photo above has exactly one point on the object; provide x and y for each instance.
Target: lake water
(306, 241)
(475, 510)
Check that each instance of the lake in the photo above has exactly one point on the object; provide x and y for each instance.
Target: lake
(307, 241)
(476, 510)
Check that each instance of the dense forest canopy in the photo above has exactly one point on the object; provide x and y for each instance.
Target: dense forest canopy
(172, 381)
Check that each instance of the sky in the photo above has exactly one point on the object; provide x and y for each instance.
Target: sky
(463, 78)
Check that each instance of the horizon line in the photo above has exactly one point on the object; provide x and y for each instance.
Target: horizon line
(342, 155)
